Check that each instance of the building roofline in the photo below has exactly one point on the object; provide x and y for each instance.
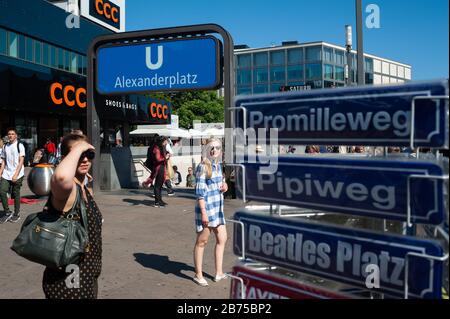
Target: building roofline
(307, 44)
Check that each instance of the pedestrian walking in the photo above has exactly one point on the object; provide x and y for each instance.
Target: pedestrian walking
(68, 184)
(176, 179)
(12, 171)
(209, 213)
(159, 167)
(190, 178)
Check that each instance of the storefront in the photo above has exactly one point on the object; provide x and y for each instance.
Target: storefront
(43, 76)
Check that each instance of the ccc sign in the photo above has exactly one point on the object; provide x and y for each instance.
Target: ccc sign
(108, 11)
(68, 95)
(159, 111)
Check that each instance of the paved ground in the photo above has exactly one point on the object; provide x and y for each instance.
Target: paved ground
(147, 251)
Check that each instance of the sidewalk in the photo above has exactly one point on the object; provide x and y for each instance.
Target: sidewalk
(147, 251)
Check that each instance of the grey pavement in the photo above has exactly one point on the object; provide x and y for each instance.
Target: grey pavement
(147, 251)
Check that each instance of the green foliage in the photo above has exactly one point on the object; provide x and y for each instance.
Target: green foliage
(204, 106)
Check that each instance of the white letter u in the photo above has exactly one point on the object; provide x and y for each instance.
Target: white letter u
(148, 58)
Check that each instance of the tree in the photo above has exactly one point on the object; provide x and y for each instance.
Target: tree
(204, 106)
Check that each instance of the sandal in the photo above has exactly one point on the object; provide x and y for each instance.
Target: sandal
(202, 282)
(219, 278)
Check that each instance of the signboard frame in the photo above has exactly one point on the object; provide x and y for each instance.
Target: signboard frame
(404, 247)
(298, 107)
(416, 171)
(218, 64)
(295, 287)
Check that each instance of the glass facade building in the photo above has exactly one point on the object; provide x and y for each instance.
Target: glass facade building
(310, 65)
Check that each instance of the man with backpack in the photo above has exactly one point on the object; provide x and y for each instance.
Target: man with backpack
(12, 172)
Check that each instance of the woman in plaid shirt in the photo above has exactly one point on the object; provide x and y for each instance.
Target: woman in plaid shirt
(209, 216)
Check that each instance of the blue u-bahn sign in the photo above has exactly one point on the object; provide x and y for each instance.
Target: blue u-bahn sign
(168, 65)
(343, 255)
(369, 115)
(366, 187)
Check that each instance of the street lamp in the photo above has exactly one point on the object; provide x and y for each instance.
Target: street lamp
(348, 47)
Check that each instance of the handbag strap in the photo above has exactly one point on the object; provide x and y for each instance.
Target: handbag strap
(79, 207)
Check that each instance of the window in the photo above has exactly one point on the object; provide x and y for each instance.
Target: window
(277, 74)
(313, 53)
(37, 52)
(328, 54)
(295, 72)
(317, 84)
(328, 72)
(244, 61)
(45, 54)
(408, 73)
(260, 75)
(276, 57)
(80, 67)
(368, 65)
(67, 60)
(393, 70)
(3, 43)
(275, 87)
(401, 71)
(73, 62)
(313, 71)
(243, 90)
(61, 58)
(296, 83)
(377, 66)
(340, 57)
(295, 56)
(329, 84)
(385, 68)
(53, 60)
(12, 43)
(260, 89)
(21, 47)
(260, 59)
(369, 78)
(29, 49)
(242, 76)
(84, 65)
(339, 73)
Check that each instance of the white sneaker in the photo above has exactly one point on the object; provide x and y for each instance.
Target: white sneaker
(202, 282)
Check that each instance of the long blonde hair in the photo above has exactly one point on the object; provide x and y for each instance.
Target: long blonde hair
(206, 162)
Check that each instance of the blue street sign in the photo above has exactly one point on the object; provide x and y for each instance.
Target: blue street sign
(366, 187)
(169, 65)
(343, 254)
(368, 115)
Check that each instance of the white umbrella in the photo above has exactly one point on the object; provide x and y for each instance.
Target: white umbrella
(170, 132)
(196, 133)
(214, 132)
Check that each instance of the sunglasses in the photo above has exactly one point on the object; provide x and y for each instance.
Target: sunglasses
(218, 148)
(89, 154)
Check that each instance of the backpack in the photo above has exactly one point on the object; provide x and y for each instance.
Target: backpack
(18, 149)
(149, 161)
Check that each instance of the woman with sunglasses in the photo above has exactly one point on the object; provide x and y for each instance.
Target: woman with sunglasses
(68, 182)
(209, 214)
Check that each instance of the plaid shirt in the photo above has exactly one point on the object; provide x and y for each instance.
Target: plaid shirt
(209, 190)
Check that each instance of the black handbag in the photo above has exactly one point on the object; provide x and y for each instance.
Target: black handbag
(53, 240)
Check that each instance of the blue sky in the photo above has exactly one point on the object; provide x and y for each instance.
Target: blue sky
(413, 32)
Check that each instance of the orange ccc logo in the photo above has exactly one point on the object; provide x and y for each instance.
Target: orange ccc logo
(106, 10)
(60, 94)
